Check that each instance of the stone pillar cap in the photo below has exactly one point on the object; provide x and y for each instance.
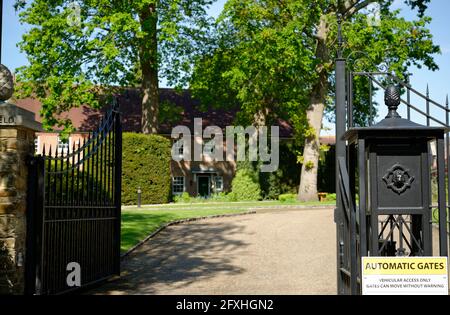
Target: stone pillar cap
(12, 115)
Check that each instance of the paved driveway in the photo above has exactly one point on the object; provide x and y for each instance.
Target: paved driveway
(273, 252)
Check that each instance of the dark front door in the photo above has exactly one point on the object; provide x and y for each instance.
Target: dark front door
(203, 186)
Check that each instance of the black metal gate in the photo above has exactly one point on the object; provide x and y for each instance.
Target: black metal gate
(74, 211)
(352, 222)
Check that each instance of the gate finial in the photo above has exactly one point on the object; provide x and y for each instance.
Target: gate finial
(6, 83)
(392, 100)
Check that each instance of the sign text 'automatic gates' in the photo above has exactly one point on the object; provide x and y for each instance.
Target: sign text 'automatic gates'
(404, 275)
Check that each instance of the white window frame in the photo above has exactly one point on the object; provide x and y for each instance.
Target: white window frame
(177, 184)
(63, 147)
(179, 147)
(215, 183)
(36, 144)
(209, 147)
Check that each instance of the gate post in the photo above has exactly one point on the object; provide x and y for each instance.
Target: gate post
(340, 149)
(17, 132)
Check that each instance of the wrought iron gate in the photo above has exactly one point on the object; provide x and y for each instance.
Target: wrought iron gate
(352, 223)
(74, 210)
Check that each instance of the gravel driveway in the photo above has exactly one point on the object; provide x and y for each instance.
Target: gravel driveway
(273, 252)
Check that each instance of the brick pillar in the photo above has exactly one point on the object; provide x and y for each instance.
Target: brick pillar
(17, 132)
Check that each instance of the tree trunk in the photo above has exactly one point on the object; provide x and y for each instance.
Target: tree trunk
(149, 65)
(311, 152)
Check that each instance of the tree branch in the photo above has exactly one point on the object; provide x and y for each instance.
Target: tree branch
(353, 6)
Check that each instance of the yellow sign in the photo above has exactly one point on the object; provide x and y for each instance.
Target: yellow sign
(404, 275)
(405, 266)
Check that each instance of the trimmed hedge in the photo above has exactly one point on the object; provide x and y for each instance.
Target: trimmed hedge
(146, 164)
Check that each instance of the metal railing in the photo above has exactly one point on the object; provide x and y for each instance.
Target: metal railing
(75, 213)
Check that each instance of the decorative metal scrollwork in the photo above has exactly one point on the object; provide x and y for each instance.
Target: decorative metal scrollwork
(398, 178)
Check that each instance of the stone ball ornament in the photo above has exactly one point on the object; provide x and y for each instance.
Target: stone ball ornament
(6, 83)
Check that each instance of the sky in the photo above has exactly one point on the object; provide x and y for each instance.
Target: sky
(438, 81)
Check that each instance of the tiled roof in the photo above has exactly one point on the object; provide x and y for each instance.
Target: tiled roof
(85, 118)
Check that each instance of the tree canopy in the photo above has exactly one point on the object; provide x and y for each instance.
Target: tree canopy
(276, 58)
(80, 50)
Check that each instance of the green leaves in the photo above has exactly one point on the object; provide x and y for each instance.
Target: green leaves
(70, 64)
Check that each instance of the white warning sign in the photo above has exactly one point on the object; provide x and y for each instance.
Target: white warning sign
(404, 276)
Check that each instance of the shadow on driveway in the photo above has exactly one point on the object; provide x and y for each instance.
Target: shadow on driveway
(178, 256)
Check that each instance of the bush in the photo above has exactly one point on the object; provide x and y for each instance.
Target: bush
(146, 164)
(330, 197)
(245, 186)
(222, 196)
(287, 197)
(184, 197)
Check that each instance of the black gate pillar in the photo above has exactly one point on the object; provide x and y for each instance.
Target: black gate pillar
(395, 200)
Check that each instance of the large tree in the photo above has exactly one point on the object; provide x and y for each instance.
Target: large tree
(275, 59)
(78, 51)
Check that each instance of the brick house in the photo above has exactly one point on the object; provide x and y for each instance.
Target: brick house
(197, 178)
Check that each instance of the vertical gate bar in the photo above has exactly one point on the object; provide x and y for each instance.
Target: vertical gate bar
(105, 168)
(371, 118)
(81, 201)
(362, 196)
(99, 165)
(30, 215)
(66, 173)
(113, 170)
(93, 176)
(56, 178)
(77, 200)
(34, 207)
(350, 101)
(353, 230)
(340, 152)
(102, 162)
(72, 186)
(49, 187)
(447, 162)
(408, 99)
(428, 106)
(111, 163)
(118, 180)
(40, 237)
(442, 199)
(108, 164)
(373, 215)
(87, 161)
(96, 159)
(61, 179)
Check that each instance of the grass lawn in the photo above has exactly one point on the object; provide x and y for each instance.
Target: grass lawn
(139, 223)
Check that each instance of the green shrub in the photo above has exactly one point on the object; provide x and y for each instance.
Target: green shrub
(184, 198)
(330, 197)
(146, 164)
(222, 196)
(287, 197)
(245, 186)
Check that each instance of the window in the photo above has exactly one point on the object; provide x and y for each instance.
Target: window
(178, 147)
(208, 147)
(63, 146)
(178, 185)
(36, 145)
(218, 183)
